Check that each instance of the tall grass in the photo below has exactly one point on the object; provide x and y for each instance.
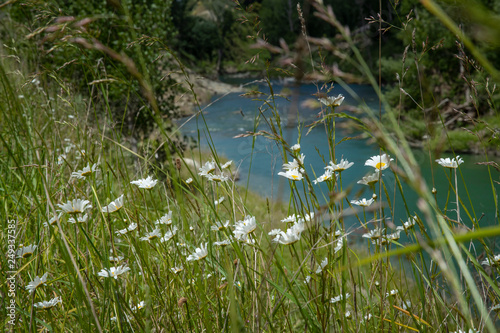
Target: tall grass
(167, 260)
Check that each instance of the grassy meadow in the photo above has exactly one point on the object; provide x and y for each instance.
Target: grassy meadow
(105, 233)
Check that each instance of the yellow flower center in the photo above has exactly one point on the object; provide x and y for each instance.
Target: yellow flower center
(295, 177)
(380, 165)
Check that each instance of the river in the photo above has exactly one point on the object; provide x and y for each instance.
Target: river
(233, 115)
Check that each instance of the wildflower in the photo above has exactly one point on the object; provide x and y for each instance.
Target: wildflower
(207, 169)
(177, 270)
(60, 159)
(219, 226)
(274, 232)
(368, 317)
(332, 100)
(451, 163)
(348, 314)
(237, 284)
(308, 217)
(139, 306)
(114, 206)
(37, 282)
(369, 180)
(295, 164)
(189, 180)
(53, 220)
(328, 175)
(79, 219)
(374, 234)
(321, 266)
(116, 259)
(393, 292)
(131, 227)
(291, 236)
(394, 236)
(85, 172)
(363, 202)
(295, 147)
(223, 243)
(226, 165)
(408, 224)
(489, 262)
(75, 207)
(244, 228)
(26, 251)
(291, 174)
(45, 305)
(308, 279)
(113, 272)
(152, 235)
(169, 235)
(343, 165)
(379, 162)
(199, 253)
(217, 178)
(147, 183)
(218, 202)
(290, 219)
(338, 245)
(406, 305)
(339, 298)
(165, 219)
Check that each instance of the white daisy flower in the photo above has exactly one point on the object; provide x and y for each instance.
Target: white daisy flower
(363, 202)
(189, 180)
(489, 262)
(292, 235)
(226, 165)
(207, 169)
(53, 220)
(292, 174)
(45, 305)
(114, 206)
(79, 219)
(218, 202)
(343, 165)
(274, 232)
(26, 251)
(393, 292)
(394, 236)
(75, 206)
(37, 282)
(339, 298)
(244, 228)
(451, 163)
(408, 224)
(177, 270)
(332, 100)
(152, 235)
(369, 180)
(116, 259)
(379, 162)
(295, 164)
(308, 279)
(225, 242)
(131, 227)
(338, 246)
(219, 226)
(290, 219)
(60, 159)
(374, 234)
(217, 178)
(85, 172)
(114, 272)
(199, 253)
(295, 147)
(146, 183)
(169, 235)
(139, 306)
(321, 266)
(165, 219)
(328, 175)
